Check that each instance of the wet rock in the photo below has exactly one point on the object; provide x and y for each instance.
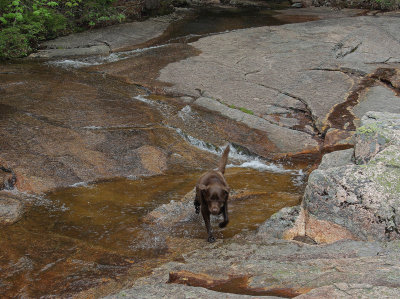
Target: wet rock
(11, 207)
(152, 159)
(169, 214)
(151, 4)
(297, 141)
(93, 130)
(337, 138)
(70, 52)
(297, 5)
(102, 41)
(360, 200)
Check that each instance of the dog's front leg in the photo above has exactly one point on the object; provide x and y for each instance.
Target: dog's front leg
(206, 217)
(225, 214)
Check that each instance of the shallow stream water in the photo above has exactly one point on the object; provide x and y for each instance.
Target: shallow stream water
(87, 236)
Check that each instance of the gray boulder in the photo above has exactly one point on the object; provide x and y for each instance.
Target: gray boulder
(363, 198)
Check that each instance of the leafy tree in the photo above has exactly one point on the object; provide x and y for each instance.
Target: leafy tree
(24, 23)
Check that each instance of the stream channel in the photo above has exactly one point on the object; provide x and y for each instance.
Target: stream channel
(92, 238)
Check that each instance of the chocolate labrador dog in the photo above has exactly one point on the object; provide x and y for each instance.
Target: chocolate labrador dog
(212, 192)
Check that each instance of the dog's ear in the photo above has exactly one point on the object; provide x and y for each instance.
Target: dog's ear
(203, 189)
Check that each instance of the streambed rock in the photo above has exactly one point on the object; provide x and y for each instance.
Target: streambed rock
(90, 129)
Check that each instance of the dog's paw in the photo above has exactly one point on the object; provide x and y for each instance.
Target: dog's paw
(211, 239)
(223, 224)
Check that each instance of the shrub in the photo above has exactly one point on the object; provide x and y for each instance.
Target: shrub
(13, 43)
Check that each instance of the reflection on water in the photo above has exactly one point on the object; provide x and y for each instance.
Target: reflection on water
(213, 20)
(80, 237)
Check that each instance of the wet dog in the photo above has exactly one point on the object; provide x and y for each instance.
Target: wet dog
(212, 192)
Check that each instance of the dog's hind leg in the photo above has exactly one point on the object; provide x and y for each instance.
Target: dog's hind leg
(225, 214)
(196, 201)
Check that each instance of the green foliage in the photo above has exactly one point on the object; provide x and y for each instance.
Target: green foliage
(370, 129)
(386, 4)
(245, 110)
(34, 20)
(366, 4)
(13, 43)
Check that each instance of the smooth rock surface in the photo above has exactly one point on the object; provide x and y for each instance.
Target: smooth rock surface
(313, 71)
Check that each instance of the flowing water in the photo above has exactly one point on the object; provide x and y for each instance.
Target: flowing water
(91, 235)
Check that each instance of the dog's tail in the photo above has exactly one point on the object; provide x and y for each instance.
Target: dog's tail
(224, 160)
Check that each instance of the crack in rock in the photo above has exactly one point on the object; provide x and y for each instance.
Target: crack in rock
(343, 70)
(342, 50)
(307, 111)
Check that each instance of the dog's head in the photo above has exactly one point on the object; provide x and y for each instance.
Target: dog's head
(215, 196)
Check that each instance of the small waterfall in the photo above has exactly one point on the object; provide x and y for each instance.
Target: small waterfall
(98, 60)
(238, 155)
(144, 99)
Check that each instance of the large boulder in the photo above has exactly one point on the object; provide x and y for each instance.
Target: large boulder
(362, 197)
(354, 193)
